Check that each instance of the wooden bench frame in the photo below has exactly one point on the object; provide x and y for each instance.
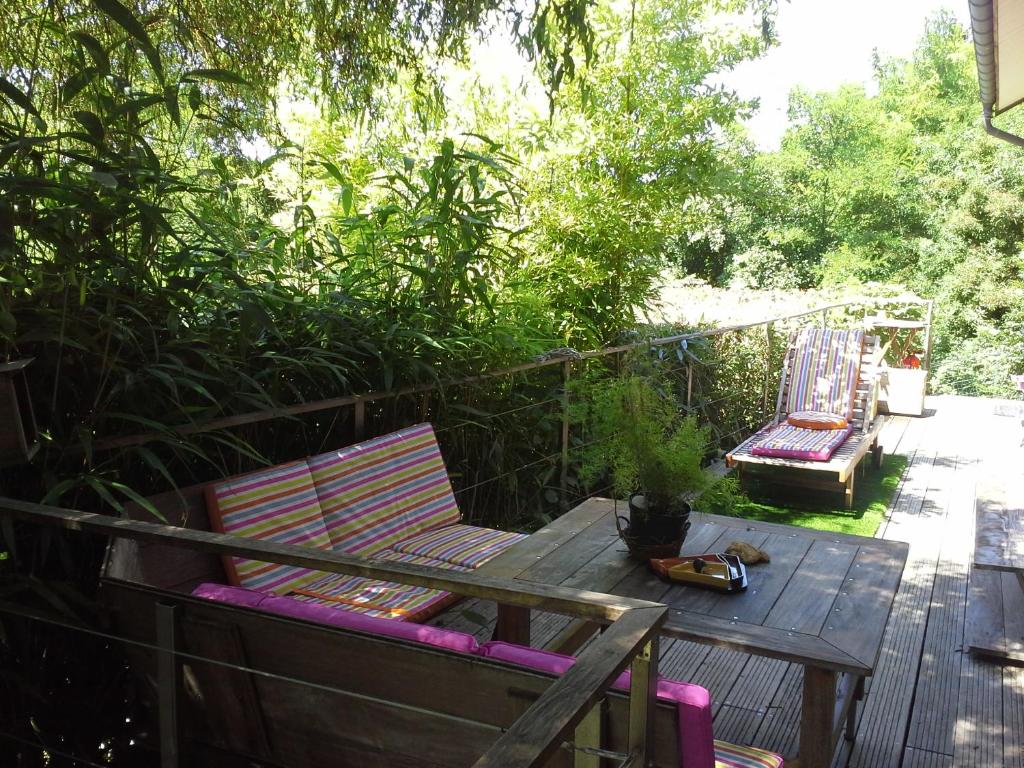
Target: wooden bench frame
(839, 472)
(559, 709)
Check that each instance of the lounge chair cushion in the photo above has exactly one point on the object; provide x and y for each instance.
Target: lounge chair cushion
(825, 368)
(467, 545)
(736, 756)
(373, 597)
(693, 702)
(788, 442)
(816, 420)
(324, 614)
(375, 493)
(278, 504)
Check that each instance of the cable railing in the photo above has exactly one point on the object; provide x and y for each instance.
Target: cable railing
(508, 435)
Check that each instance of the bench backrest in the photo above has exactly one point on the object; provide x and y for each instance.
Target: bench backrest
(375, 493)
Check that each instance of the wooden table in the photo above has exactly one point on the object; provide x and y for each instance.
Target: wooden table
(822, 602)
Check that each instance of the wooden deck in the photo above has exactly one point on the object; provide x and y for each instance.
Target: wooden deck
(929, 704)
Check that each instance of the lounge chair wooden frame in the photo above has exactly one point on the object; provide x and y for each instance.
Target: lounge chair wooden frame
(839, 472)
(267, 688)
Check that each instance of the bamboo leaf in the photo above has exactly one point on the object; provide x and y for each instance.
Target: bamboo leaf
(12, 92)
(127, 21)
(92, 124)
(217, 75)
(95, 49)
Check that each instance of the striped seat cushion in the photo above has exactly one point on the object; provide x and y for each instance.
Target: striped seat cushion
(277, 504)
(734, 756)
(789, 442)
(392, 556)
(382, 599)
(824, 371)
(467, 545)
(375, 493)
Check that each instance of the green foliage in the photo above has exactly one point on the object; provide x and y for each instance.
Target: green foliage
(639, 435)
(902, 187)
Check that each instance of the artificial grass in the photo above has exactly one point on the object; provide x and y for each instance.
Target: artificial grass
(825, 512)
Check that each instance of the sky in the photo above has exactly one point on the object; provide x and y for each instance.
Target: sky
(824, 43)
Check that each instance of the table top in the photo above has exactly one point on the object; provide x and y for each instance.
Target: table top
(999, 525)
(823, 600)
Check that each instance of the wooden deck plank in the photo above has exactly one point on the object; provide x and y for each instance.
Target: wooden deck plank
(978, 734)
(1013, 717)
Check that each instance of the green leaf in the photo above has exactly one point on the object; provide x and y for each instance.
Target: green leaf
(346, 199)
(92, 124)
(195, 98)
(11, 91)
(74, 84)
(217, 75)
(95, 49)
(104, 178)
(171, 100)
(127, 21)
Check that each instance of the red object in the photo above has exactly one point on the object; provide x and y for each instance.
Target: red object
(911, 361)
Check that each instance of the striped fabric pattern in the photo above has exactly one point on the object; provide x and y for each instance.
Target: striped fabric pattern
(383, 599)
(375, 493)
(277, 504)
(735, 756)
(392, 556)
(824, 371)
(798, 443)
(467, 545)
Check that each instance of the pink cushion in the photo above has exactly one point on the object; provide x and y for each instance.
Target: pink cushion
(323, 614)
(693, 703)
(789, 442)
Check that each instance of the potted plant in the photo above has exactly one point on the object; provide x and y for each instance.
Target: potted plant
(653, 456)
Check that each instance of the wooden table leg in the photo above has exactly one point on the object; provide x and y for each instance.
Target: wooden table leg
(817, 718)
(513, 624)
(851, 714)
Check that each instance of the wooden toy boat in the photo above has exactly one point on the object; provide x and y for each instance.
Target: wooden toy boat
(725, 573)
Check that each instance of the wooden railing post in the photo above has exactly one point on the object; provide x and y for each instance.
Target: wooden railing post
(642, 701)
(563, 480)
(359, 420)
(768, 333)
(168, 682)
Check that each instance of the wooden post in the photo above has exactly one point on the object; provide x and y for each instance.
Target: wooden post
(768, 328)
(642, 700)
(588, 736)
(816, 719)
(168, 680)
(359, 420)
(689, 385)
(824, 318)
(513, 624)
(563, 480)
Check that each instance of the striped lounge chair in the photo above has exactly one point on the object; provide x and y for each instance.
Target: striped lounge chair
(828, 380)
(386, 499)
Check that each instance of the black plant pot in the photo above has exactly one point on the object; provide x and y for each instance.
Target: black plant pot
(652, 533)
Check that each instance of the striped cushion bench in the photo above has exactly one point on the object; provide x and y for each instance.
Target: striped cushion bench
(388, 499)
